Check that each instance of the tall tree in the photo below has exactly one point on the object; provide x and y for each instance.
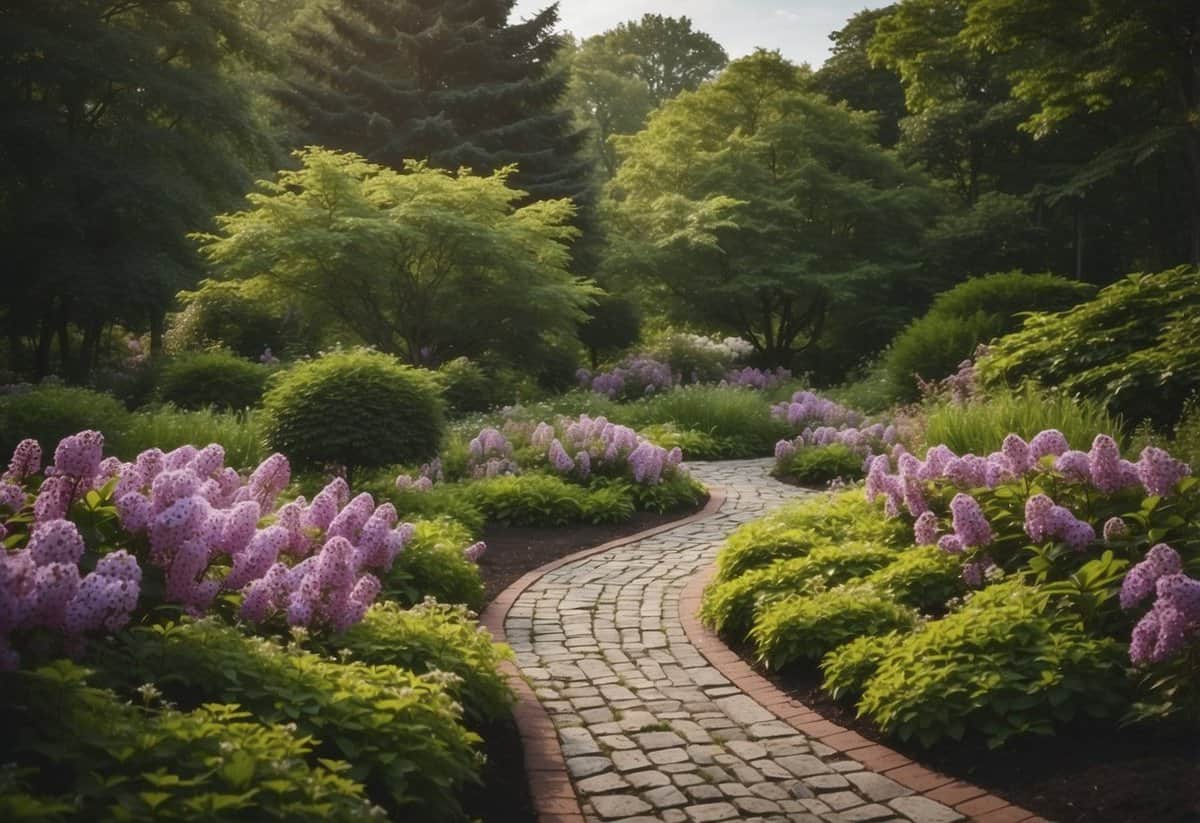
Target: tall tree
(1073, 60)
(670, 56)
(754, 206)
(422, 264)
(448, 81)
(849, 76)
(121, 129)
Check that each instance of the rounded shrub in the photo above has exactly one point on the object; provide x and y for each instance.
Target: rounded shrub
(198, 380)
(973, 312)
(465, 386)
(48, 414)
(355, 409)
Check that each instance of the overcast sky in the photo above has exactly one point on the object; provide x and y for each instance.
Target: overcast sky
(798, 28)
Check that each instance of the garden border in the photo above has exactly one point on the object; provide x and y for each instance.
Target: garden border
(550, 788)
(965, 798)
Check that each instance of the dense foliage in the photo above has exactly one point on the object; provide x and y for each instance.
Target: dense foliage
(1134, 347)
(217, 379)
(354, 409)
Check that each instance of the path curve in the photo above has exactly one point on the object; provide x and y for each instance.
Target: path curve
(650, 730)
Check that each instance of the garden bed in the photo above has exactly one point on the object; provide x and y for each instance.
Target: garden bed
(1084, 773)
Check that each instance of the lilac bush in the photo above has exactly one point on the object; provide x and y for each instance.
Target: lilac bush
(752, 378)
(197, 525)
(1042, 509)
(807, 409)
(633, 378)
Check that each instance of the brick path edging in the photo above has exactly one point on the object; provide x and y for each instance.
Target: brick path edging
(550, 789)
(965, 798)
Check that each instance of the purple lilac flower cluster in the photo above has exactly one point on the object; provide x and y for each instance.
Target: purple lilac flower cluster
(425, 478)
(752, 378)
(636, 377)
(809, 409)
(958, 387)
(490, 454)
(597, 444)
(866, 441)
(202, 524)
(1174, 618)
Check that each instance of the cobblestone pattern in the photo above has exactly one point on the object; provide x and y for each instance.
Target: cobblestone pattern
(649, 729)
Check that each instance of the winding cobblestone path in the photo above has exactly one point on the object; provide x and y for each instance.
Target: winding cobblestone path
(649, 729)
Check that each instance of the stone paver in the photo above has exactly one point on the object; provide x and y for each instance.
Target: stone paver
(649, 728)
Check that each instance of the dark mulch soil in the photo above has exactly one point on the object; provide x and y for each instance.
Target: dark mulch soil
(1083, 774)
(504, 795)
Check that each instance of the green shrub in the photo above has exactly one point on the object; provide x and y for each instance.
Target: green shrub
(465, 386)
(48, 414)
(979, 425)
(355, 409)
(168, 428)
(1135, 347)
(400, 732)
(435, 637)
(971, 313)
(543, 500)
(925, 578)
(848, 668)
(809, 627)
(817, 465)
(613, 323)
(76, 752)
(739, 420)
(796, 529)
(244, 316)
(1002, 666)
(197, 380)
(729, 606)
(432, 565)
(695, 445)
(679, 492)
(692, 357)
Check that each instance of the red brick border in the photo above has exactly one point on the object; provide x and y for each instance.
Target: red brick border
(965, 798)
(550, 787)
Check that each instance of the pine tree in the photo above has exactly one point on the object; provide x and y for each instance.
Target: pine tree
(450, 81)
(122, 128)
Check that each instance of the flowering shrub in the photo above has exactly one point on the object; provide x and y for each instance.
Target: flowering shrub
(752, 378)
(192, 525)
(835, 441)
(633, 378)
(807, 409)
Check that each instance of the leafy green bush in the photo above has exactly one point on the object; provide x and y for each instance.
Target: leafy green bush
(739, 420)
(925, 578)
(465, 387)
(673, 494)
(971, 313)
(977, 426)
(353, 408)
(76, 752)
(244, 316)
(400, 732)
(795, 530)
(729, 606)
(810, 626)
(432, 565)
(695, 445)
(817, 465)
(434, 637)
(197, 380)
(544, 500)
(168, 428)
(1002, 666)
(48, 414)
(848, 668)
(1135, 347)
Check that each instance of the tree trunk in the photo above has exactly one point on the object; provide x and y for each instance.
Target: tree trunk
(1079, 238)
(157, 324)
(41, 358)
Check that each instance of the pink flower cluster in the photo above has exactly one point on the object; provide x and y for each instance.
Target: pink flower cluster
(1174, 618)
(865, 441)
(598, 444)
(205, 526)
(424, 480)
(809, 409)
(636, 377)
(752, 378)
(490, 455)
(1044, 519)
